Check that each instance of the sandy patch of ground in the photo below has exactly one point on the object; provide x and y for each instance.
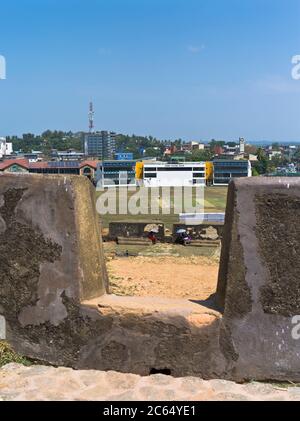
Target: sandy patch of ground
(186, 277)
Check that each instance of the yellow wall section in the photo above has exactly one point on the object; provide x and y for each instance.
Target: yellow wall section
(139, 170)
(209, 170)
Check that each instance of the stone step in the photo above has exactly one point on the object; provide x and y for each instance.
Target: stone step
(147, 304)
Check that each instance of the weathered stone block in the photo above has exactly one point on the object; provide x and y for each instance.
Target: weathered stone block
(50, 249)
(53, 284)
(259, 284)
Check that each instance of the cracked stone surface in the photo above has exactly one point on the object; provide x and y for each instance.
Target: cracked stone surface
(41, 383)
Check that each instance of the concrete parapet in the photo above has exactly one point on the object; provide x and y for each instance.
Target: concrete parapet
(53, 284)
(259, 284)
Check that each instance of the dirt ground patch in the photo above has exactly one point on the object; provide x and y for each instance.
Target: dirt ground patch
(186, 277)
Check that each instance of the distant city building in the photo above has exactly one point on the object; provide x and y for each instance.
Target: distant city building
(170, 150)
(5, 148)
(196, 146)
(289, 170)
(161, 174)
(290, 151)
(86, 168)
(251, 157)
(116, 173)
(274, 154)
(124, 156)
(100, 144)
(218, 150)
(232, 150)
(70, 155)
(14, 166)
(192, 146)
(242, 145)
(32, 157)
(226, 169)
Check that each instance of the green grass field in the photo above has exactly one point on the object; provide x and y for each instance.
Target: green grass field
(214, 201)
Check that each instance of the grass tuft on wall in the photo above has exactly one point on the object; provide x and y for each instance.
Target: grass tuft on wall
(7, 356)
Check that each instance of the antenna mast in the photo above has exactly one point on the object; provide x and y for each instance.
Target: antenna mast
(91, 117)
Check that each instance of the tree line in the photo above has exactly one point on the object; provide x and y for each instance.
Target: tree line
(141, 146)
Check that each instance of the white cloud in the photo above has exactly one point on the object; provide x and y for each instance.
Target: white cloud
(195, 49)
(103, 51)
(277, 84)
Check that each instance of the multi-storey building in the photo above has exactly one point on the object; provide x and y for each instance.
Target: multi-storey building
(116, 173)
(100, 144)
(69, 155)
(162, 174)
(226, 169)
(5, 147)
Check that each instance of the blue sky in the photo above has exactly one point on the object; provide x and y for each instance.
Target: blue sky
(195, 69)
